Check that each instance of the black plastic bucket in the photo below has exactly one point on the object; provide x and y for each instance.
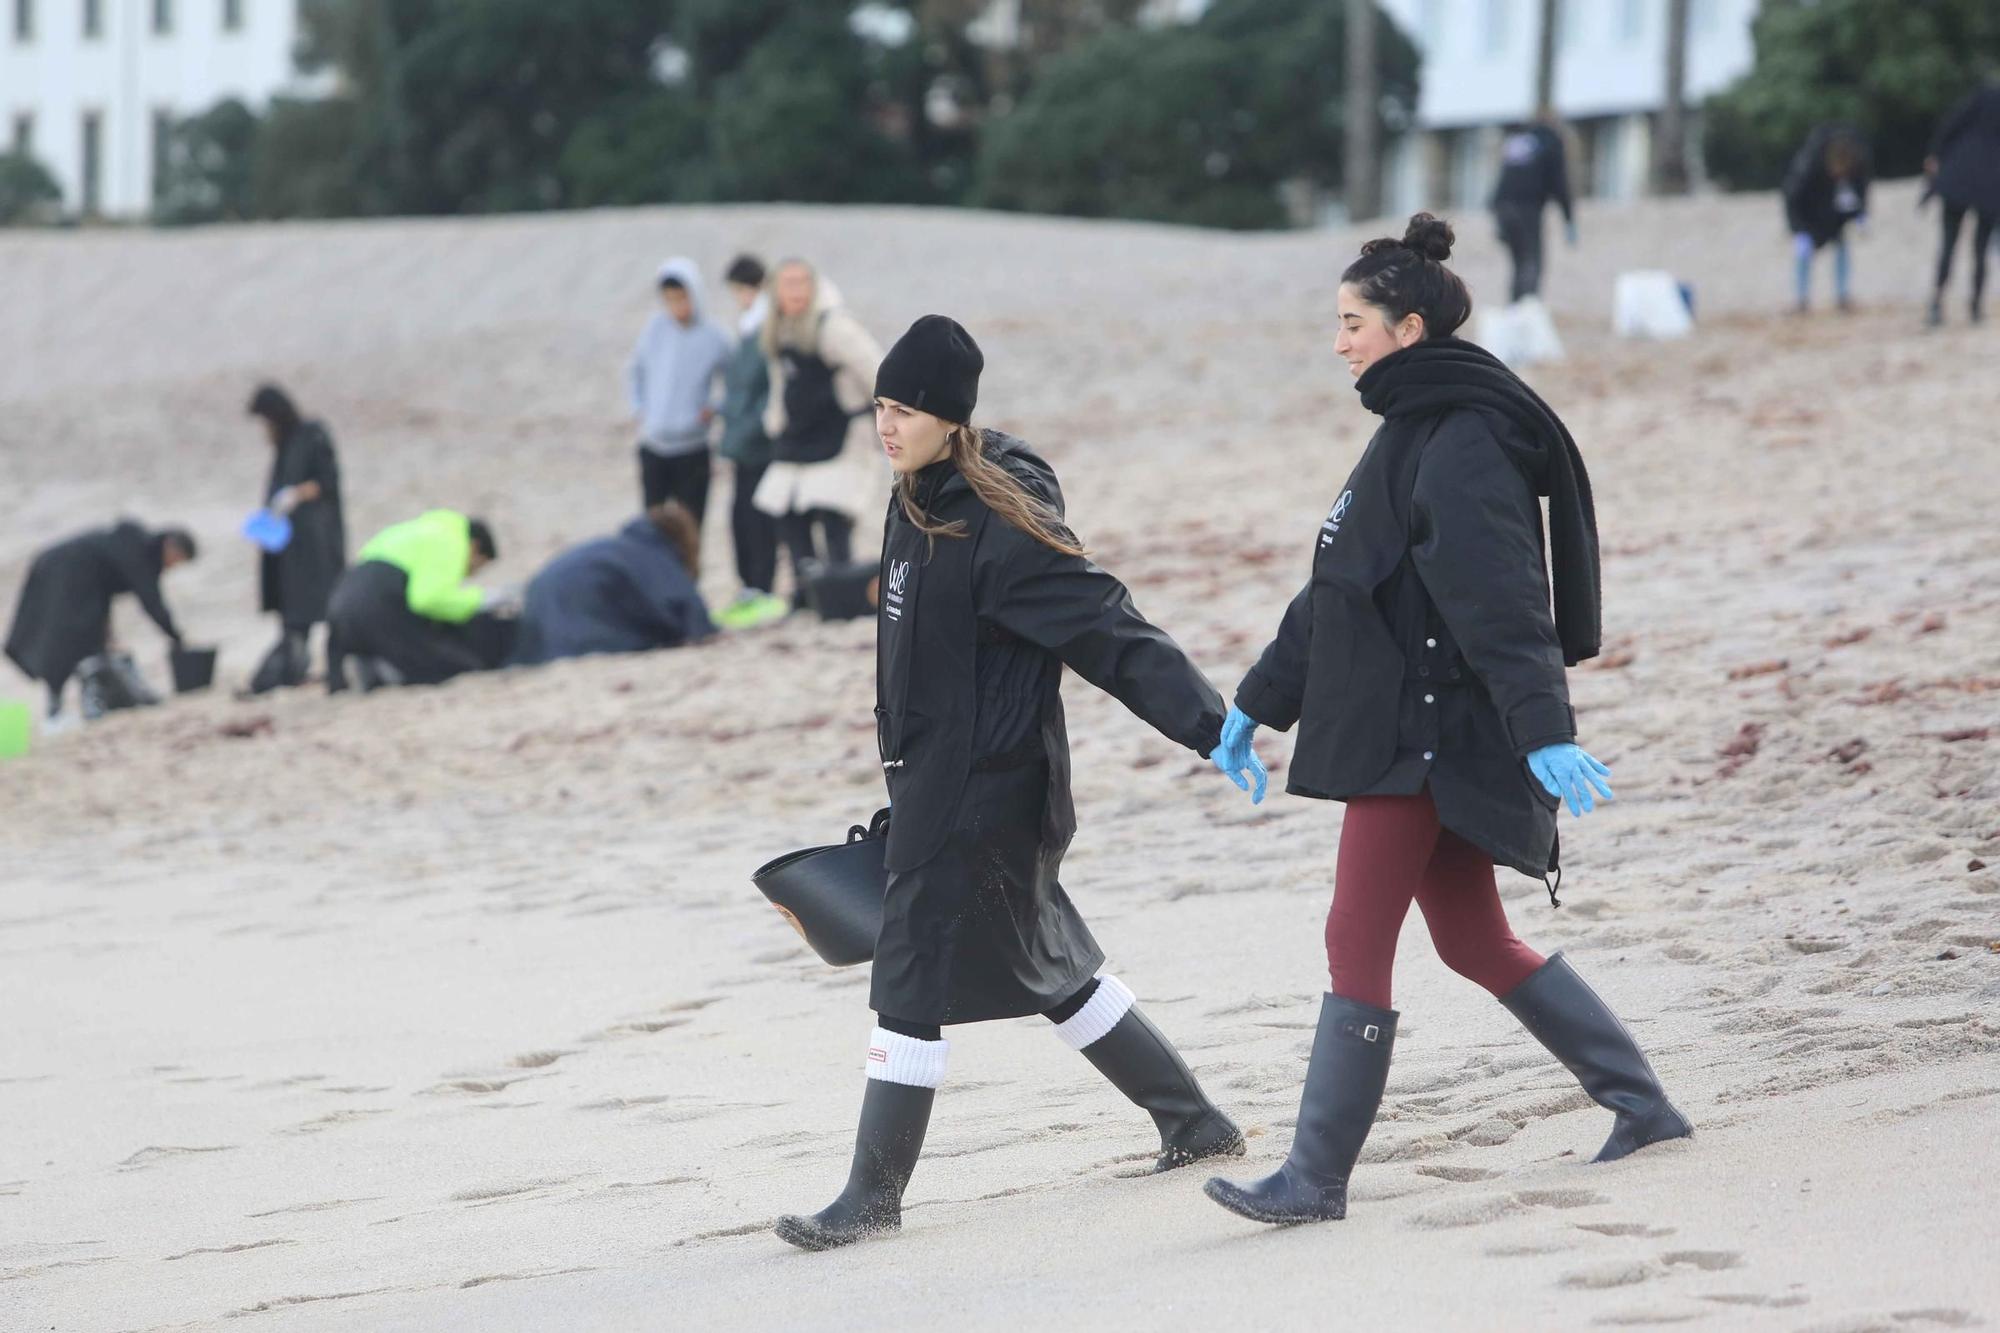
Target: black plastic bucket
(193, 668)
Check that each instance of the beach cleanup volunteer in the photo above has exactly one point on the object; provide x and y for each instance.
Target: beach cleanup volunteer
(406, 605)
(1424, 670)
(986, 596)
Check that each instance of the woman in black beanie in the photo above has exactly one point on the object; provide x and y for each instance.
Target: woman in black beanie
(986, 596)
(1425, 672)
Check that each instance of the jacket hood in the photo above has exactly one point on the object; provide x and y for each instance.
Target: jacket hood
(688, 274)
(1014, 455)
(753, 319)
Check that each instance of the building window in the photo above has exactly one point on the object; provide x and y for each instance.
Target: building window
(24, 20)
(93, 18)
(232, 15)
(163, 143)
(93, 162)
(1496, 25)
(163, 17)
(1632, 20)
(24, 133)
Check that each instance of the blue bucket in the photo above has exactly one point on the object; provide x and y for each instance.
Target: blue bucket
(273, 532)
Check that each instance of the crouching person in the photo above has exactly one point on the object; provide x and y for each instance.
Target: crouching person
(405, 612)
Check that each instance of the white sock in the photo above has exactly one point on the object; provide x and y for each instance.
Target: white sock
(1101, 1013)
(895, 1058)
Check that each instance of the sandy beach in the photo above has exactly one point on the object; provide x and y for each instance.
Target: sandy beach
(456, 1008)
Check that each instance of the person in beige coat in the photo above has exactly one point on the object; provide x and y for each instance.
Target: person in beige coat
(826, 467)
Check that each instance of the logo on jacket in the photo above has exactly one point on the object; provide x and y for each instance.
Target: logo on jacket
(1335, 517)
(899, 576)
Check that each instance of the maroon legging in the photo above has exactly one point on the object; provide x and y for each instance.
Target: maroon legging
(1392, 849)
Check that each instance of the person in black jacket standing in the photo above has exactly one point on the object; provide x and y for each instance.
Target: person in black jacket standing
(1425, 672)
(1963, 170)
(1532, 173)
(297, 582)
(986, 596)
(1825, 189)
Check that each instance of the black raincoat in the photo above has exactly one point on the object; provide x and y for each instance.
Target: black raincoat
(1816, 203)
(298, 581)
(1422, 651)
(973, 634)
(65, 605)
(1967, 148)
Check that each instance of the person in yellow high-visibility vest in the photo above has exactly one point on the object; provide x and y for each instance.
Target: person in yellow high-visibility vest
(405, 611)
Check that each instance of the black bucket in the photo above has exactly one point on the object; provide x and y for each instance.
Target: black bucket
(193, 668)
(833, 895)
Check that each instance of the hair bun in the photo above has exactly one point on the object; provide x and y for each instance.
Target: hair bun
(1429, 236)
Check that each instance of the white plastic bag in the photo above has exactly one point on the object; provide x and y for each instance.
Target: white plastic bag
(1648, 303)
(1521, 334)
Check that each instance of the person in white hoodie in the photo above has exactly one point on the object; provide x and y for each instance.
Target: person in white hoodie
(673, 380)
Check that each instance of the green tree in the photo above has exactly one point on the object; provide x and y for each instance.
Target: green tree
(1197, 124)
(28, 193)
(1890, 70)
(206, 176)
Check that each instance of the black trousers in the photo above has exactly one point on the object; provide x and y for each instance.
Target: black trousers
(1982, 239)
(754, 531)
(815, 534)
(1062, 1013)
(371, 617)
(1521, 233)
(682, 477)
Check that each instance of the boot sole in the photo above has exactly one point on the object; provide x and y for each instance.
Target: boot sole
(1243, 1205)
(808, 1235)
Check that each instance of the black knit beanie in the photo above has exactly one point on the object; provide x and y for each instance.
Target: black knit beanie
(933, 368)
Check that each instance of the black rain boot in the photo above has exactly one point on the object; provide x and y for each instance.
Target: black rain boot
(1344, 1082)
(1563, 1013)
(894, 1117)
(1141, 1063)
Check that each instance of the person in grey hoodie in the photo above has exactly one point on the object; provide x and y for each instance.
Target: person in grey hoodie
(673, 377)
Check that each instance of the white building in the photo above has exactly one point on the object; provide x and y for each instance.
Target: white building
(90, 87)
(1478, 75)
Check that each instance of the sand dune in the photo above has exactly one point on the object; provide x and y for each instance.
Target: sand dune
(455, 1008)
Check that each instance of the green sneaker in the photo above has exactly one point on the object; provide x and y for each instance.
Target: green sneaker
(752, 610)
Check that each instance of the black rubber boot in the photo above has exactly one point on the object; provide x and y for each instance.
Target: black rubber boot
(1564, 1014)
(1344, 1082)
(894, 1117)
(1143, 1064)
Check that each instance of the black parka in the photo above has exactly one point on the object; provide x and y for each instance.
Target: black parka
(1422, 652)
(298, 581)
(66, 601)
(950, 607)
(1967, 149)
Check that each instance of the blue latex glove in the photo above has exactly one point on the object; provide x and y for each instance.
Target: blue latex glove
(1567, 772)
(1569, 231)
(1234, 757)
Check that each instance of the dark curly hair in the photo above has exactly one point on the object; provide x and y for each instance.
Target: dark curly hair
(1408, 276)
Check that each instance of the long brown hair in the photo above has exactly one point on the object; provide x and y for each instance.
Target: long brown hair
(997, 489)
(677, 525)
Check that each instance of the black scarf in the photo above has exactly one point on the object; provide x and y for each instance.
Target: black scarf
(1444, 374)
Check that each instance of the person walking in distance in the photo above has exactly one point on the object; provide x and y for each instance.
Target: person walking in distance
(671, 379)
(986, 596)
(1533, 172)
(1963, 170)
(746, 393)
(1424, 669)
(825, 460)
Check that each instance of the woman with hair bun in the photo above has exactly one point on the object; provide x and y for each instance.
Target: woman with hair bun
(1425, 670)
